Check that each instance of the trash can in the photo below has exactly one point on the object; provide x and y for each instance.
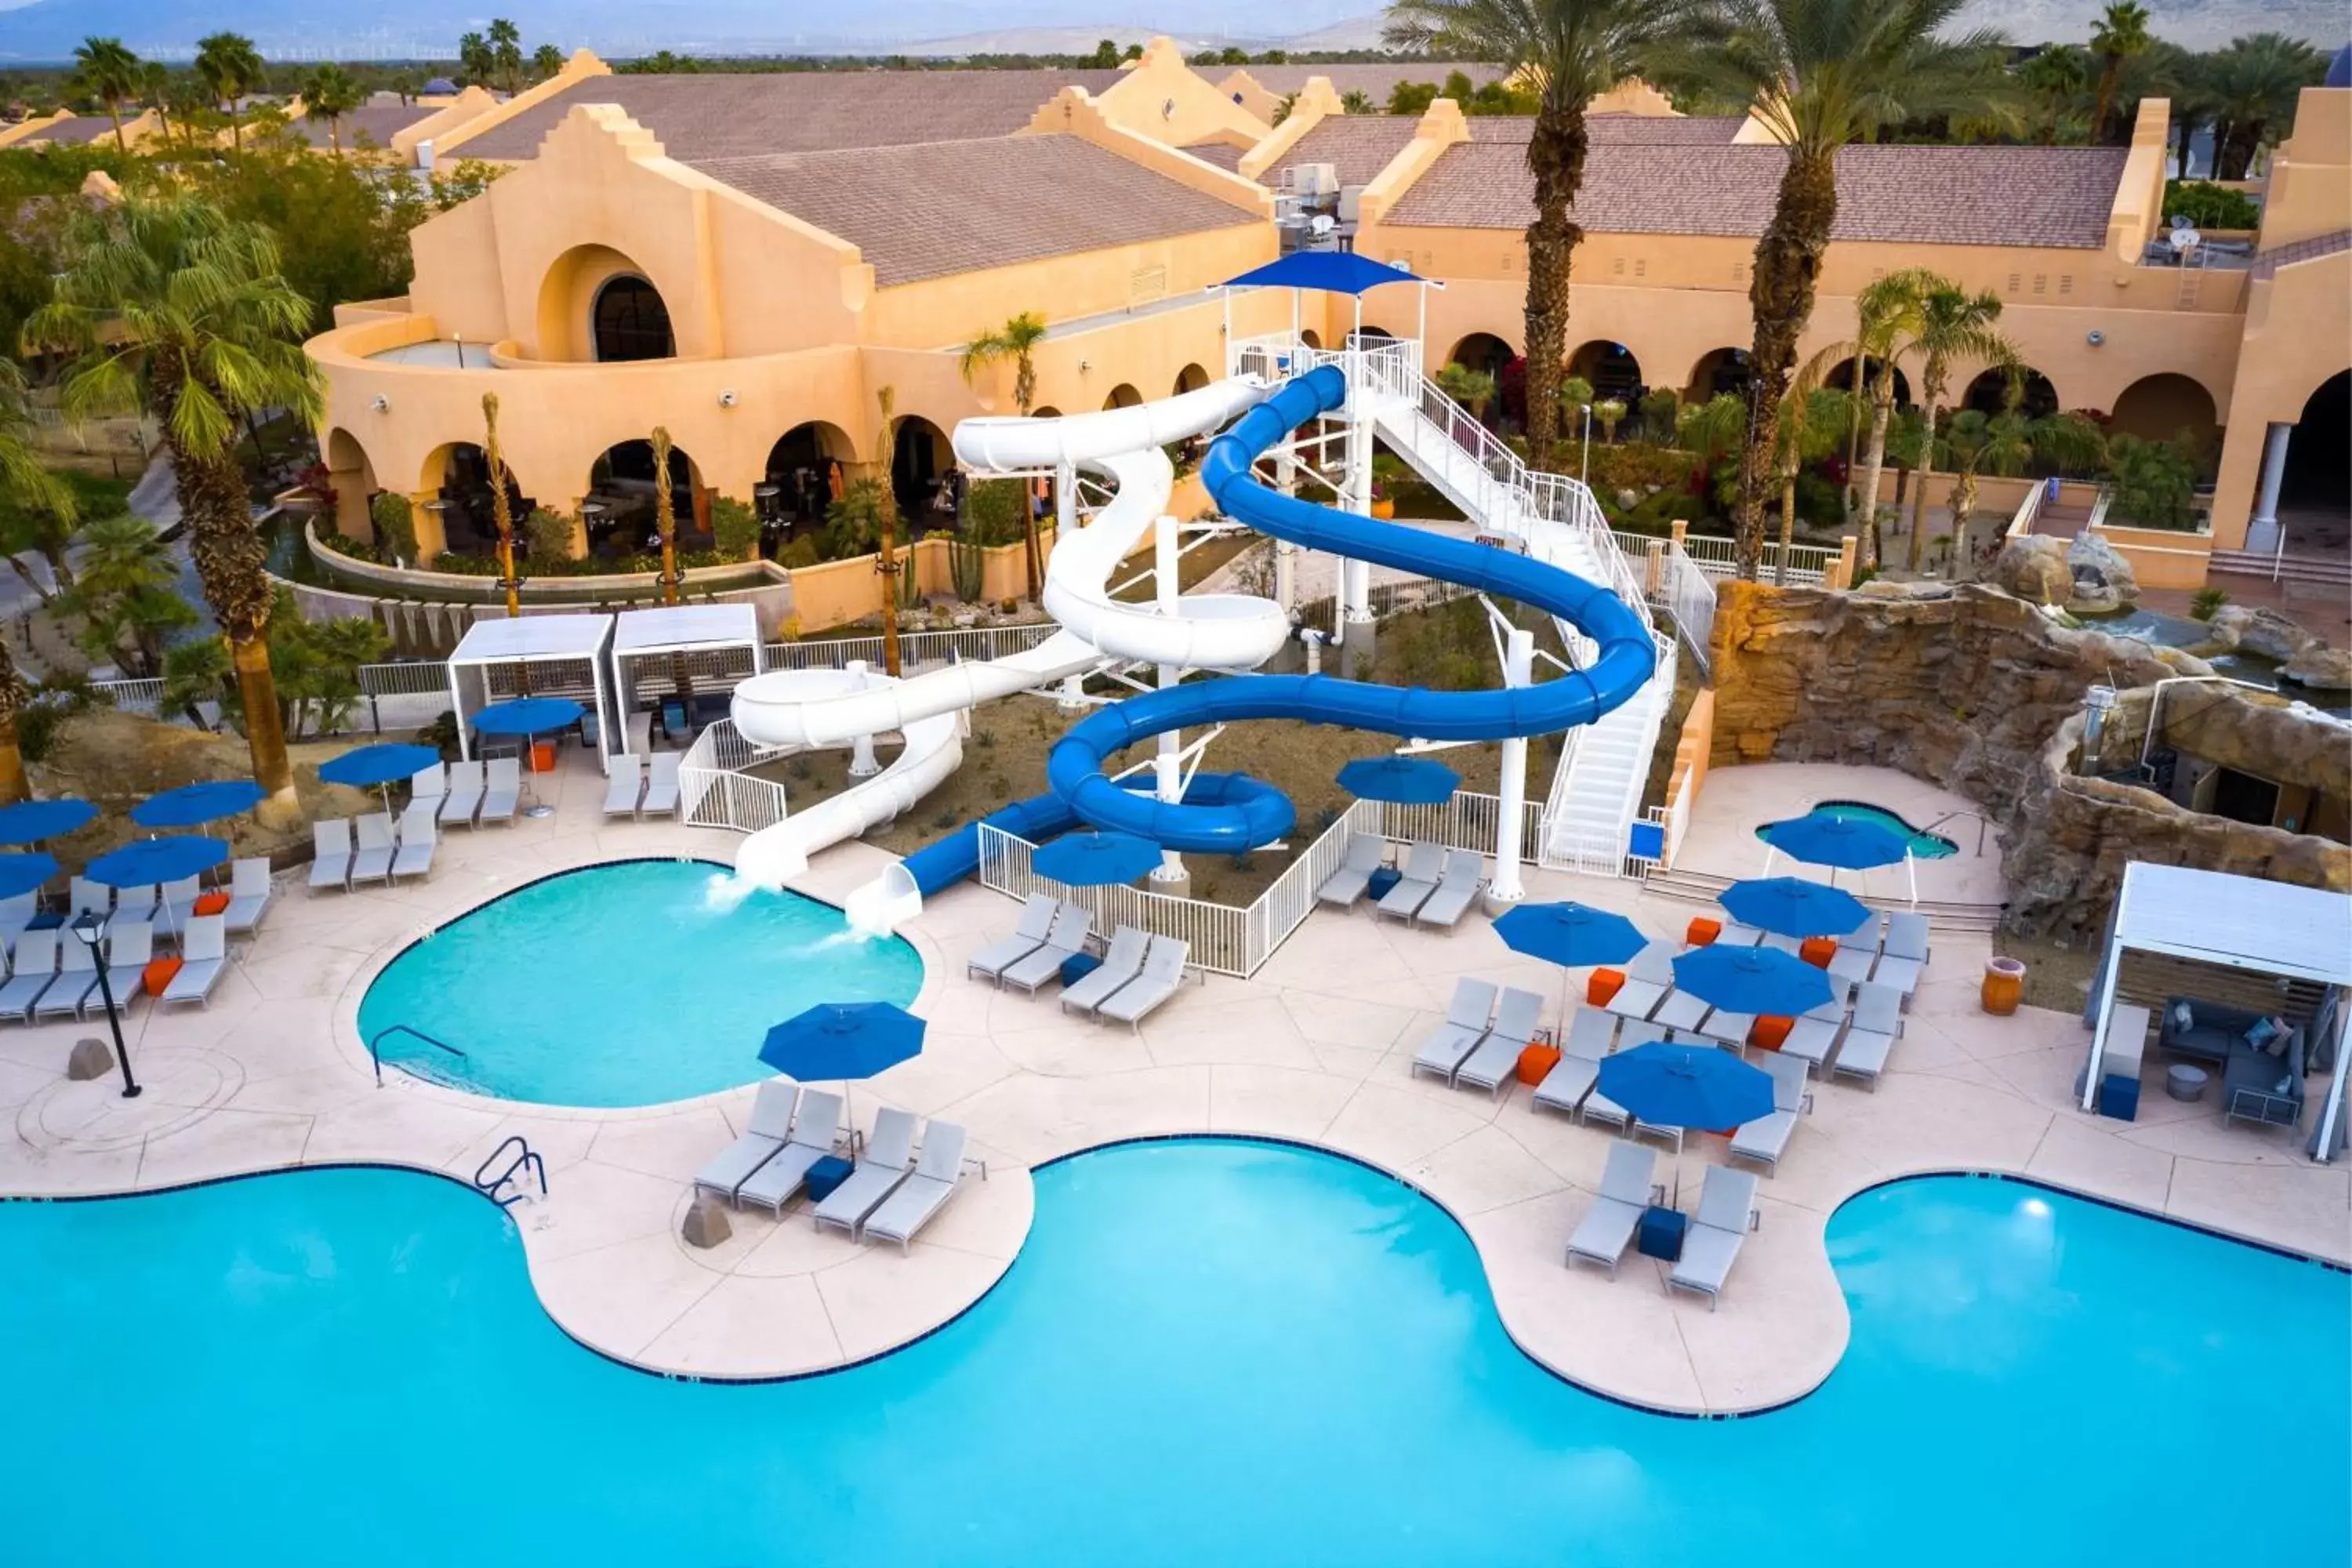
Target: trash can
(2004, 986)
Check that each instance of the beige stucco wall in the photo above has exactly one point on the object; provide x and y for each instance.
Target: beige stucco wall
(443, 124)
(1162, 97)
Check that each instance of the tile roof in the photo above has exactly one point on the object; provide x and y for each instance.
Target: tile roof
(1376, 79)
(1618, 130)
(1224, 155)
(726, 115)
(377, 121)
(78, 132)
(1954, 195)
(1361, 144)
(942, 208)
(2267, 264)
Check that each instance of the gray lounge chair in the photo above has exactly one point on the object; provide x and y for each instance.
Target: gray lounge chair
(249, 892)
(1627, 1187)
(1464, 1026)
(420, 815)
(1857, 951)
(1814, 1034)
(330, 859)
(34, 970)
(464, 796)
(418, 842)
(1877, 1021)
(1734, 934)
(1162, 976)
(76, 979)
(176, 906)
(1465, 872)
(816, 1128)
(1765, 1139)
(1680, 1013)
(1424, 865)
(90, 898)
(1728, 1029)
(372, 861)
(769, 1125)
(1904, 957)
(1496, 1057)
(427, 786)
(501, 790)
(1028, 936)
(1647, 980)
(661, 785)
(1343, 886)
(129, 948)
(1065, 939)
(1579, 1068)
(626, 786)
(889, 1156)
(203, 958)
(137, 903)
(1122, 963)
(924, 1194)
(16, 915)
(1727, 1213)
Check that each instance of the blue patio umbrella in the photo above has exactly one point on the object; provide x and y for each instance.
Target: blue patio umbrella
(1569, 934)
(1839, 842)
(1750, 980)
(1096, 859)
(1401, 781)
(147, 861)
(31, 821)
(1685, 1086)
(24, 873)
(370, 766)
(843, 1040)
(1793, 906)
(525, 716)
(192, 805)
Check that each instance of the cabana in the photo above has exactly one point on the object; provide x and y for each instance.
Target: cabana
(565, 656)
(1329, 272)
(2244, 928)
(720, 644)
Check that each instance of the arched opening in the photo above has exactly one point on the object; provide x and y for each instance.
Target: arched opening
(1484, 353)
(1310, 337)
(807, 473)
(1611, 369)
(458, 474)
(2161, 407)
(1191, 378)
(2315, 491)
(1719, 371)
(1841, 376)
(1048, 413)
(919, 460)
(1369, 337)
(620, 511)
(1989, 394)
(353, 479)
(629, 320)
(1123, 396)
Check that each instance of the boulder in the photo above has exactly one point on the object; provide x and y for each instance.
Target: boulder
(1888, 588)
(2035, 570)
(2104, 581)
(2257, 630)
(2321, 668)
(88, 1059)
(706, 1223)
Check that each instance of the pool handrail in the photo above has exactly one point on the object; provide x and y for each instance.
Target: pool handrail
(375, 1043)
(527, 1159)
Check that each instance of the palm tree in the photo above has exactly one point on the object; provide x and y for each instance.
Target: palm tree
(110, 74)
(155, 92)
(2255, 82)
(2055, 77)
(1888, 315)
(126, 594)
(190, 101)
(886, 515)
(1807, 431)
(1953, 325)
(1356, 100)
(476, 59)
(328, 95)
(506, 52)
(1474, 389)
(2120, 33)
(27, 485)
(1575, 49)
(404, 86)
(546, 61)
(166, 303)
(13, 697)
(1973, 443)
(230, 67)
(1017, 340)
(1822, 74)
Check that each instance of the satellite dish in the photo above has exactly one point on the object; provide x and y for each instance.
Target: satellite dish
(2183, 239)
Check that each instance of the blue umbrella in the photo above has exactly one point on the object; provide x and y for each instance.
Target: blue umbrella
(843, 1040)
(380, 765)
(191, 805)
(1402, 781)
(147, 861)
(1750, 980)
(1096, 859)
(528, 716)
(30, 821)
(1685, 1086)
(1836, 841)
(23, 873)
(1792, 905)
(1571, 935)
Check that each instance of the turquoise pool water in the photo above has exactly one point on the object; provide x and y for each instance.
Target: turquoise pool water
(1924, 845)
(623, 984)
(1209, 1352)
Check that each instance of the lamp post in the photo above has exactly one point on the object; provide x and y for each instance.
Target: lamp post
(90, 928)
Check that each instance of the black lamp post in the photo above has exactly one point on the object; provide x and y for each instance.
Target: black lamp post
(90, 928)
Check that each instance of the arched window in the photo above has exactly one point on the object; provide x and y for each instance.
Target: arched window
(631, 321)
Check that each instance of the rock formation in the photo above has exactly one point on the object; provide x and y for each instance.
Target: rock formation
(2105, 581)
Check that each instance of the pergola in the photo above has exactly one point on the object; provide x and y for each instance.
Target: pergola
(2236, 922)
(568, 647)
(720, 643)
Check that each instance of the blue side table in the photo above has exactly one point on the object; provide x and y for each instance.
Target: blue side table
(1077, 966)
(2119, 1097)
(826, 1175)
(1384, 878)
(1661, 1234)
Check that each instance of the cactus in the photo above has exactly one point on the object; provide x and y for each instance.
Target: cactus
(965, 563)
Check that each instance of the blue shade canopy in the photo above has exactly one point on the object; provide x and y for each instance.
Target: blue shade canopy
(1096, 859)
(1571, 935)
(380, 765)
(528, 716)
(23, 873)
(1792, 905)
(1403, 781)
(1686, 1086)
(1329, 271)
(30, 821)
(843, 1040)
(1750, 980)
(148, 861)
(192, 805)
(1838, 841)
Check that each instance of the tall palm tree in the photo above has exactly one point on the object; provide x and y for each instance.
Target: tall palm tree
(230, 68)
(110, 74)
(1953, 326)
(885, 558)
(546, 61)
(2055, 77)
(26, 483)
(1806, 431)
(506, 52)
(1973, 443)
(166, 303)
(155, 92)
(1575, 49)
(1822, 74)
(328, 95)
(1017, 340)
(476, 59)
(2255, 82)
(2120, 33)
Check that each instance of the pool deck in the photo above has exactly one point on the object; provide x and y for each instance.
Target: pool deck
(1315, 1048)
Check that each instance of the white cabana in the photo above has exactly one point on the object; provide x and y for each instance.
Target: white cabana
(565, 655)
(720, 645)
(2236, 922)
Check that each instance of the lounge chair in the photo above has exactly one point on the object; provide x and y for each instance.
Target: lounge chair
(1904, 957)
(16, 915)
(77, 978)
(1028, 936)
(203, 958)
(1877, 1021)
(1647, 980)
(923, 1194)
(626, 786)
(1465, 872)
(1163, 975)
(420, 817)
(35, 969)
(128, 949)
(1765, 1139)
(1464, 1026)
(661, 785)
(1813, 1035)
(137, 903)
(1857, 951)
(770, 1125)
(175, 905)
(372, 860)
(1065, 938)
(816, 1128)
(330, 860)
(502, 791)
(1496, 1057)
(1734, 934)
(1779, 943)
(1120, 964)
(1680, 1013)
(1579, 1068)
(429, 786)
(91, 898)
(1627, 1187)
(1347, 884)
(464, 798)
(1424, 865)
(1727, 1213)
(418, 842)
(1728, 1030)
(889, 1156)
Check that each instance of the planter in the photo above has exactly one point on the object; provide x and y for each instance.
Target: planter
(1382, 511)
(2004, 986)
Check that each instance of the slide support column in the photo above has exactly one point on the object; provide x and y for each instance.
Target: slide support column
(1519, 669)
(1168, 767)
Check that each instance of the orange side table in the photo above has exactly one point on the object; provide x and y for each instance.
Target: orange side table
(1702, 931)
(211, 903)
(1536, 1062)
(1604, 984)
(158, 974)
(1770, 1031)
(1818, 951)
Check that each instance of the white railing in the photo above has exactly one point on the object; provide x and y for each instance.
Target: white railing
(1809, 565)
(965, 643)
(1686, 595)
(1468, 821)
(2021, 523)
(1217, 935)
(132, 696)
(714, 792)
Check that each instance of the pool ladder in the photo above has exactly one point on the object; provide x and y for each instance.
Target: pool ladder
(526, 1161)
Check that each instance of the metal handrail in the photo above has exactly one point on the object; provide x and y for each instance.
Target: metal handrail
(375, 1053)
(1981, 821)
(528, 1158)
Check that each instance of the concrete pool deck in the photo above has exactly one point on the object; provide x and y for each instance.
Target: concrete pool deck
(1315, 1048)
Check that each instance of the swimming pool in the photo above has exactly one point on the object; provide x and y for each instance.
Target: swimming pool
(1924, 845)
(623, 984)
(1209, 1352)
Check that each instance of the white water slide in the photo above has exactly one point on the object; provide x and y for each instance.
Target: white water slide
(796, 709)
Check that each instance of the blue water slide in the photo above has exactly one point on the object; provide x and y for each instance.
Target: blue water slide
(947, 861)
(1241, 818)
